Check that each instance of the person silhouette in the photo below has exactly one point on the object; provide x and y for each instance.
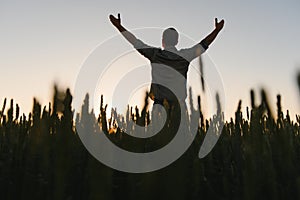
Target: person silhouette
(169, 66)
(168, 57)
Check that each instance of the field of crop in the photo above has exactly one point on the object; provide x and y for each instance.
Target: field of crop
(42, 157)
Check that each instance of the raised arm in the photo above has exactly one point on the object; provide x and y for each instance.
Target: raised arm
(127, 34)
(198, 49)
(212, 36)
(141, 47)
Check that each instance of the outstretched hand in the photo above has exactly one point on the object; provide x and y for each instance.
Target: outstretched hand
(219, 25)
(115, 21)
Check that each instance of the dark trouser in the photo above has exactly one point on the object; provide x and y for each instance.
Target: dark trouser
(166, 119)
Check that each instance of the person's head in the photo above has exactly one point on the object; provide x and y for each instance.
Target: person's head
(169, 37)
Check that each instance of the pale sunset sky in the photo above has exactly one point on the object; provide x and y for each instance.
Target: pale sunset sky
(42, 42)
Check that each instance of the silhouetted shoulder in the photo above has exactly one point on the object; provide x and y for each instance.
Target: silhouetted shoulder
(193, 52)
(145, 49)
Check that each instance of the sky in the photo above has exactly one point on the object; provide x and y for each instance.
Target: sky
(47, 42)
